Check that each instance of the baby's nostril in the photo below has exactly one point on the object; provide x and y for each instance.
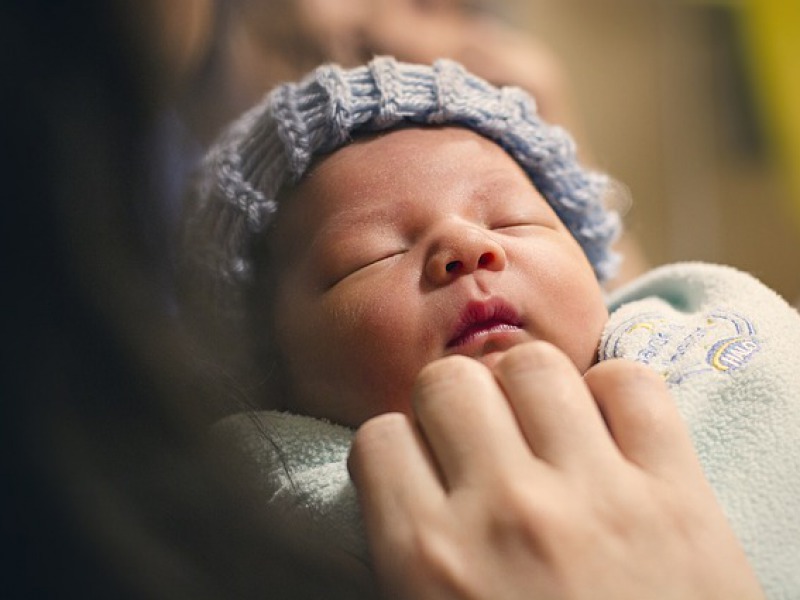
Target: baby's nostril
(453, 265)
(485, 259)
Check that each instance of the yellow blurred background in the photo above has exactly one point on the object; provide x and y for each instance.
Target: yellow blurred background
(695, 105)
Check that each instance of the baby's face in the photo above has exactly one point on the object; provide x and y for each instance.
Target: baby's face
(414, 245)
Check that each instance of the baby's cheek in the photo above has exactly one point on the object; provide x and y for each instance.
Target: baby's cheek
(587, 317)
(385, 348)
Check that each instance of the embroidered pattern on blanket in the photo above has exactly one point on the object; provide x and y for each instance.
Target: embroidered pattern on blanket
(719, 341)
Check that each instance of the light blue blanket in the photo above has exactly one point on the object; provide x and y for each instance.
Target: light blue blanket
(726, 345)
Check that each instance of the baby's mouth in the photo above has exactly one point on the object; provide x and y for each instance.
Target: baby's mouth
(483, 319)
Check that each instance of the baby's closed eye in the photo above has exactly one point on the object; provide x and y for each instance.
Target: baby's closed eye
(519, 225)
(343, 264)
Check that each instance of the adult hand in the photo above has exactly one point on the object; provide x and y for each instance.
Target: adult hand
(534, 482)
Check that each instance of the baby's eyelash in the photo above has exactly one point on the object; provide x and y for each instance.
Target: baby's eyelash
(360, 267)
(513, 225)
(386, 256)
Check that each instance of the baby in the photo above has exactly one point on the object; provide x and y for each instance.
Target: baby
(363, 223)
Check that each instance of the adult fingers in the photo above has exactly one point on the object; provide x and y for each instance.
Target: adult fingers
(555, 410)
(393, 473)
(467, 422)
(642, 417)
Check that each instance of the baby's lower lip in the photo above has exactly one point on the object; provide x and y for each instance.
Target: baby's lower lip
(479, 332)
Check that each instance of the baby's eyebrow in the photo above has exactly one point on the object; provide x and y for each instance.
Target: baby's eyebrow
(357, 219)
(500, 180)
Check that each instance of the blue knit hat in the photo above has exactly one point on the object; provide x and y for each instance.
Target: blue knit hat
(274, 143)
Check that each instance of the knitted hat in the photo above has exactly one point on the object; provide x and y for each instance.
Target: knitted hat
(274, 143)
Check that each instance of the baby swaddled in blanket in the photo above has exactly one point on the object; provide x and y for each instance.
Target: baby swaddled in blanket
(386, 216)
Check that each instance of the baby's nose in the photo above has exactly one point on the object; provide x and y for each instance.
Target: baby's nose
(462, 251)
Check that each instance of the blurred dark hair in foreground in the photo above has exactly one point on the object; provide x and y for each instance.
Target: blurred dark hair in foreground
(112, 490)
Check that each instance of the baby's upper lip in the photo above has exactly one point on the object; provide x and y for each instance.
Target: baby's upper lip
(480, 316)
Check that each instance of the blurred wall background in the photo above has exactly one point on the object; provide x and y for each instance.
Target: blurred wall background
(694, 105)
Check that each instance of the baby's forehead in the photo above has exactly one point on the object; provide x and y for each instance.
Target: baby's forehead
(400, 155)
(378, 176)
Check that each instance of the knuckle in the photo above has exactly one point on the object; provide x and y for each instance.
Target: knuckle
(375, 430)
(374, 435)
(449, 367)
(521, 514)
(448, 373)
(525, 357)
(549, 526)
(436, 557)
(622, 372)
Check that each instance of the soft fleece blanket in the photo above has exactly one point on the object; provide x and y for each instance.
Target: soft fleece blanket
(726, 345)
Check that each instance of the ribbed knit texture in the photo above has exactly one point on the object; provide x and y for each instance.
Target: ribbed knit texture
(274, 143)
